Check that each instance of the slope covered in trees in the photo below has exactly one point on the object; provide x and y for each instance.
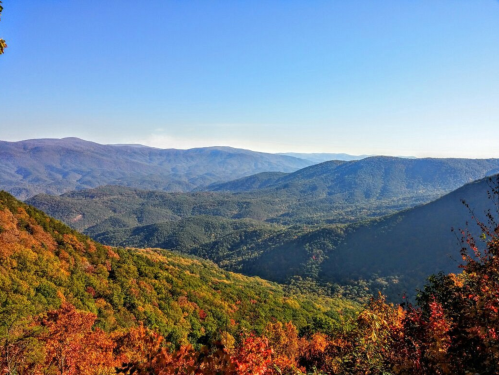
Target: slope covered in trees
(56, 166)
(110, 207)
(374, 178)
(394, 254)
(412, 244)
(45, 263)
(181, 234)
(253, 182)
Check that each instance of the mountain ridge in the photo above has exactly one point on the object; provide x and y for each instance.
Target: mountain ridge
(319, 157)
(394, 254)
(56, 166)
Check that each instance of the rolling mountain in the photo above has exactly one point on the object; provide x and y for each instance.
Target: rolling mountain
(253, 182)
(111, 207)
(336, 191)
(179, 235)
(394, 254)
(327, 193)
(373, 178)
(331, 192)
(56, 166)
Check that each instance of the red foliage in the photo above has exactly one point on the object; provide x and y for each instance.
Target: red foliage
(202, 314)
(71, 346)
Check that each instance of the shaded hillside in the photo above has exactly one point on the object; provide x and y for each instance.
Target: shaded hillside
(44, 263)
(410, 245)
(394, 254)
(55, 166)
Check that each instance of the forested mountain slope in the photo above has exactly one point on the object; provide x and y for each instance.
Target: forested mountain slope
(45, 263)
(180, 234)
(395, 254)
(253, 182)
(112, 207)
(412, 244)
(56, 166)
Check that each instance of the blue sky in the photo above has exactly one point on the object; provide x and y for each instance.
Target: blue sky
(399, 77)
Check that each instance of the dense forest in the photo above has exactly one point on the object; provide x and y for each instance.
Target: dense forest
(70, 305)
(44, 260)
(394, 254)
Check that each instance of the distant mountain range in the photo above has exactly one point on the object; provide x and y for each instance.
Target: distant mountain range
(56, 166)
(322, 157)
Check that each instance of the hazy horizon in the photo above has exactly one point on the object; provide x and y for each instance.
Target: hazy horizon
(288, 152)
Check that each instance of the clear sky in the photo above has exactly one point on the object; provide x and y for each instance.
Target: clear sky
(393, 77)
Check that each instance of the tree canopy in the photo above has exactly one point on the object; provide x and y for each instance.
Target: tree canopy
(3, 45)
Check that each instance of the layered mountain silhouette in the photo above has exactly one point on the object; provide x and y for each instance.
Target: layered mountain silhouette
(394, 254)
(322, 157)
(56, 166)
(330, 192)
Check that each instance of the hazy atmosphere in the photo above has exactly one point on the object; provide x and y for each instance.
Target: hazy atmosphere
(394, 77)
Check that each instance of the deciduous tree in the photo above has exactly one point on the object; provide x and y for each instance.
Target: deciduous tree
(3, 45)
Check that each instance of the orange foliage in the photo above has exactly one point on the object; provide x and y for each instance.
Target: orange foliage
(71, 346)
